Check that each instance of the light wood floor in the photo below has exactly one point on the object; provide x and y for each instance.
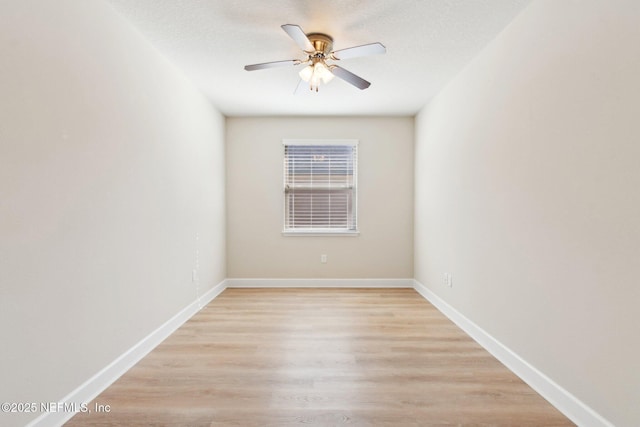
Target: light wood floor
(320, 357)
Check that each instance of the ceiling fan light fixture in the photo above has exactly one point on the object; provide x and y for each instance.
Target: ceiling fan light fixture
(316, 73)
(318, 48)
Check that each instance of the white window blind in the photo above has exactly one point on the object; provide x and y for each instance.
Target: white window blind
(320, 186)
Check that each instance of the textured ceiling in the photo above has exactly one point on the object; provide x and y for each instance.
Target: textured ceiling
(428, 42)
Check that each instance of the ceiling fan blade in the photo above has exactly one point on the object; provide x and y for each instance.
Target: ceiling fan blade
(298, 36)
(274, 64)
(349, 77)
(300, 87)
(356, 51)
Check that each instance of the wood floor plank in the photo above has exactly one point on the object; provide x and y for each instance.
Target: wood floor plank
(320, 357)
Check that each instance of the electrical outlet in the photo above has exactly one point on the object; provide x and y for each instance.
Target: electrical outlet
(323, 258)
(448, 280)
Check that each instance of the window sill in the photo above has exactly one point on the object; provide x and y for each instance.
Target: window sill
(308, 233)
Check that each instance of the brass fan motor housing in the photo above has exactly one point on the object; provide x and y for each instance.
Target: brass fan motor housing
(322, 43)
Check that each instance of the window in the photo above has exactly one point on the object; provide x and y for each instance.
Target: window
(320, 186)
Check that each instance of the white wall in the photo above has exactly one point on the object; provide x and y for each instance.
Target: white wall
(111, 179)
(527, 191)
(257, 249)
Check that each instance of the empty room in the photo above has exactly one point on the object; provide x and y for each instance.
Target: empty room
(304, 212)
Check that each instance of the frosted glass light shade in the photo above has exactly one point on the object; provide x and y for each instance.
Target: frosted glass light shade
(306, 73)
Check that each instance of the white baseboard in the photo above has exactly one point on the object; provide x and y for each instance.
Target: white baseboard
(95, 385)
(320, 283)
(565, 402)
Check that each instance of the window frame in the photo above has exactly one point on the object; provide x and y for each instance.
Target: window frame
(319, 231)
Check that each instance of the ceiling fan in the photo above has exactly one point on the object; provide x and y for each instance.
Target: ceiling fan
(318, 49)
